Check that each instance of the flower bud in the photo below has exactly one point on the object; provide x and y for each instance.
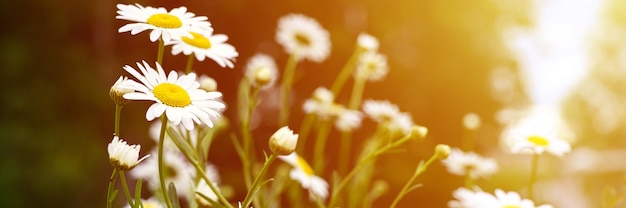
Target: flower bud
(208, 84)
(442, 151)
(283, 142)
(123, 156)
(118, 90)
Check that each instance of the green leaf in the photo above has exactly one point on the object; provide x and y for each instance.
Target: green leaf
(171, 192)
(182, 144)
(138, 193)
(113, 195)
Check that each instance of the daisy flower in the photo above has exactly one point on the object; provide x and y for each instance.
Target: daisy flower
(367, 42)
(348, 120)
(178, 97)
(150, 203)
(513, 199)
(119, 88)
(166, 25)
(466, 198)
(123, 156)
(283, 141)
(178, 171)
(303, 173)
(320, 103)
(303, 37)
(529, 138)
(203, 45)
(203, 188)
(469, 163)
(261, 71)
(371, 66)
(388, 114)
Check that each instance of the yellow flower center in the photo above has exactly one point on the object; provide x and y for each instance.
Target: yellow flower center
(302, 39)
(304, 166)
(198, 41)
(172, 95)
(167, 21)
(511, 206)
(538, 140)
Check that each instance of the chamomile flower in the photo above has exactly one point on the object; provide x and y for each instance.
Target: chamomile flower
(178, 97)
(150, 203)
(261, 71)
(466, 198)
(178, 171)
(388, 114)
(203, 188)
(513, 199)
(123, 156)
(528, 138)
(469, 163)
(371, 66)
(304, 37)
(118, 90)
(283, 141)
(203, 45)
(303, 173)
(367, 42)
(348, 120)
(166, 25)
(321, 103)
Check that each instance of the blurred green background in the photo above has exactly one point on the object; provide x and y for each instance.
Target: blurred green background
(59, 59)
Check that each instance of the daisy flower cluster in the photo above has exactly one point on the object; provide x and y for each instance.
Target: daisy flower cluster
(186, 111)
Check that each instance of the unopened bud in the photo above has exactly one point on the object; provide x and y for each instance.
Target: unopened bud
(283, 142)
(442, 151)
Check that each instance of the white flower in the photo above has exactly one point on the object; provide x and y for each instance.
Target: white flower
(513, 199)
(388, 114)
(304, 37)
(320, 103)
(465, 198)
(348, 120)
(204, 45)
(367, 42)
(123, 156)
(119, 88)
(150, 203)
(203, 188)
(166, 25)
(178, 171)
(178, 97)
(261, 71)
(528, 138)
(303, 173)
(371, 66)
(283, 141)
(469, 163)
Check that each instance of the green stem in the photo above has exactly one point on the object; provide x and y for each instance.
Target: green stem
(345, 72)
(189, 64)
(305, 129)
(160, 52)
(469, 182)
(320, 144)
(344, 152)
(357, 93)
(110, 191)
(160, 159)
(362, 163)
(287, 82)
(252, 192)
(125, 187)
(250, 156)
(118, 112)
(215, 190)
(420, 169)
(533, 175)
